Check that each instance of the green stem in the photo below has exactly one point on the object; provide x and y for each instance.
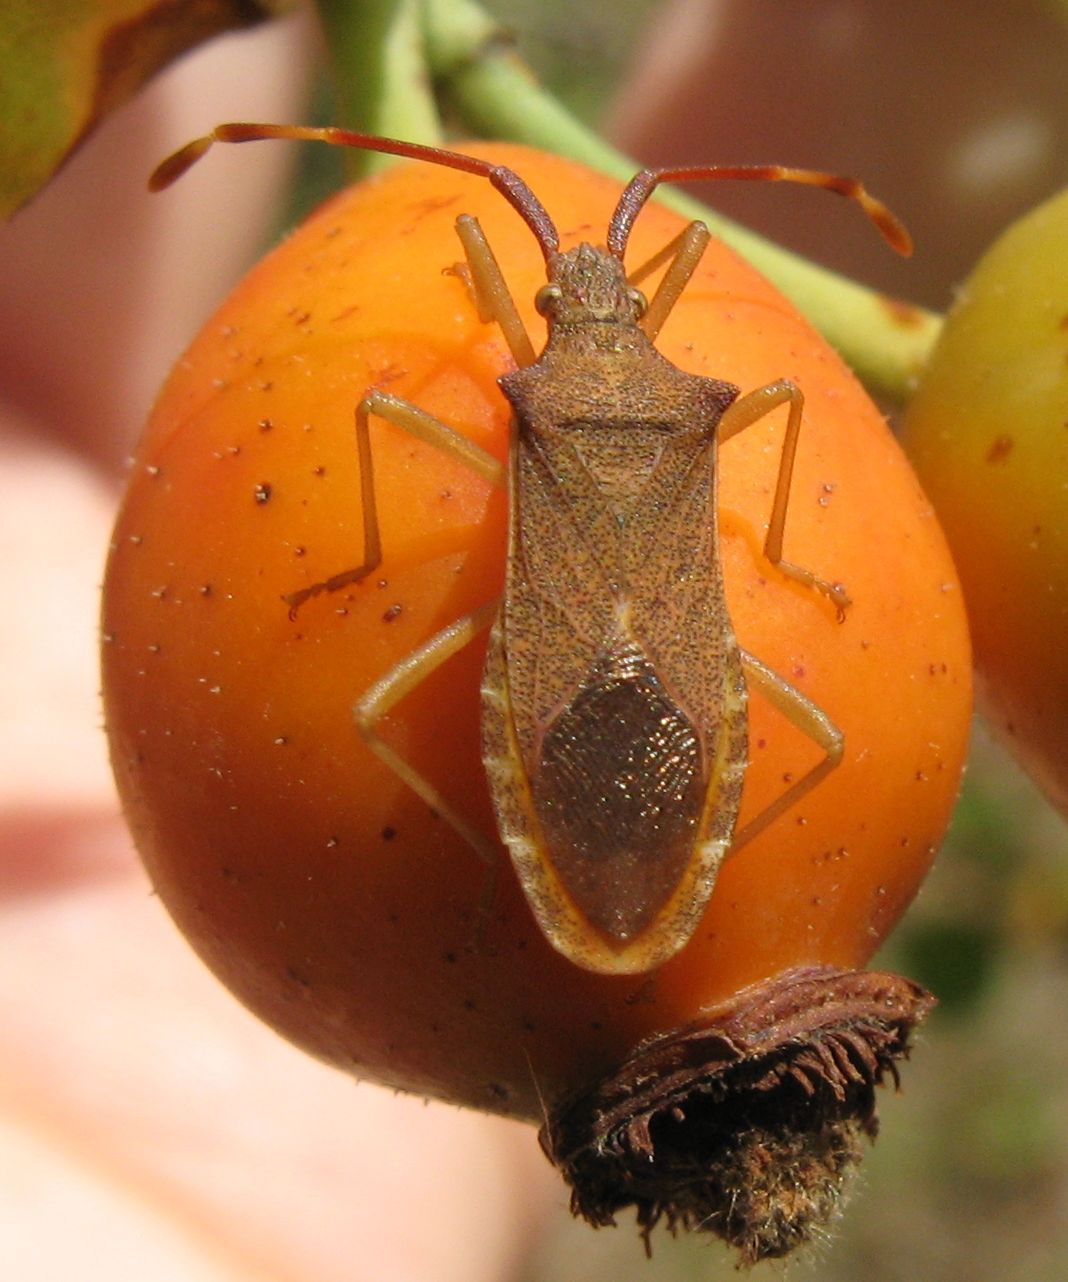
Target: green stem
(476, 71)
(377, 54)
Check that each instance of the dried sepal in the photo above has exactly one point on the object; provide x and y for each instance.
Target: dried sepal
(747, 1125)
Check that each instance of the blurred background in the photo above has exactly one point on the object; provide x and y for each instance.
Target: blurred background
(958, 117)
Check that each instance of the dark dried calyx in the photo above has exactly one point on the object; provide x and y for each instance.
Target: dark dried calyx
(748, 1126)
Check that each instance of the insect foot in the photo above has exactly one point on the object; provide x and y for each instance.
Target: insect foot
(747, 1126)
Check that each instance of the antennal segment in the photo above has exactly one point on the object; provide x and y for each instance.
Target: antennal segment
(642, 186)
(505, 180)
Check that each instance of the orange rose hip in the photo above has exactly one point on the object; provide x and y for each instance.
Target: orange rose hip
(327, 895)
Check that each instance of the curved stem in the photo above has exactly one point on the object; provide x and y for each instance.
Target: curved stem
(378, 58)
(885, 341)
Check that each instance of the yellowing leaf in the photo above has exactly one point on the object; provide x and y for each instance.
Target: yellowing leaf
(64, 64)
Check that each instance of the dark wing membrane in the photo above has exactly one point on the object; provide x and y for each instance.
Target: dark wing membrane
(619, 668)
(619, 793)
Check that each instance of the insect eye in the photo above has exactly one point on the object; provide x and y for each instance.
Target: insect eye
(639, 300)
(546, 298)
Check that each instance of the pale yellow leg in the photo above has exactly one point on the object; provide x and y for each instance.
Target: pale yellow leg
(743, 413)
(400, 681)
(404, 678)
(810, 720)
(490, 291)
(684, 251)
(423, 426)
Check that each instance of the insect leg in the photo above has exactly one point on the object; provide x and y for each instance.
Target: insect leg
(423, 426)
(684, 252)
(402, 680)
(743, 413)
(492, 296)
(809, 719)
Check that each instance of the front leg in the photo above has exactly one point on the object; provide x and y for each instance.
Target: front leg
(682, 254)
(490, 291)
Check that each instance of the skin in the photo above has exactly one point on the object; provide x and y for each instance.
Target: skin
(318, 888)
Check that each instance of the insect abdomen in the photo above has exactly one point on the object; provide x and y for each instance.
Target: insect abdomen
(618, 792)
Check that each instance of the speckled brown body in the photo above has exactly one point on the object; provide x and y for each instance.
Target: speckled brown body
(614, 713)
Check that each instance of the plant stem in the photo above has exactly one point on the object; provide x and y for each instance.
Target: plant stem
(377, 55)
(495, 95)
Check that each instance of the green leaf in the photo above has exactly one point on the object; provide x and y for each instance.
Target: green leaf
(64, 64)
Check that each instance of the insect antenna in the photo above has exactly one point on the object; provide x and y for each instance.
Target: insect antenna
(505, 180)
(642, 186)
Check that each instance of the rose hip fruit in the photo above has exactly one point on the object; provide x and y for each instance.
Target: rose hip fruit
(988, 432)
(344, 912)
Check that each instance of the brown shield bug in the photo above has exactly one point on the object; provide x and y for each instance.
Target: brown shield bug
(615, 692)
